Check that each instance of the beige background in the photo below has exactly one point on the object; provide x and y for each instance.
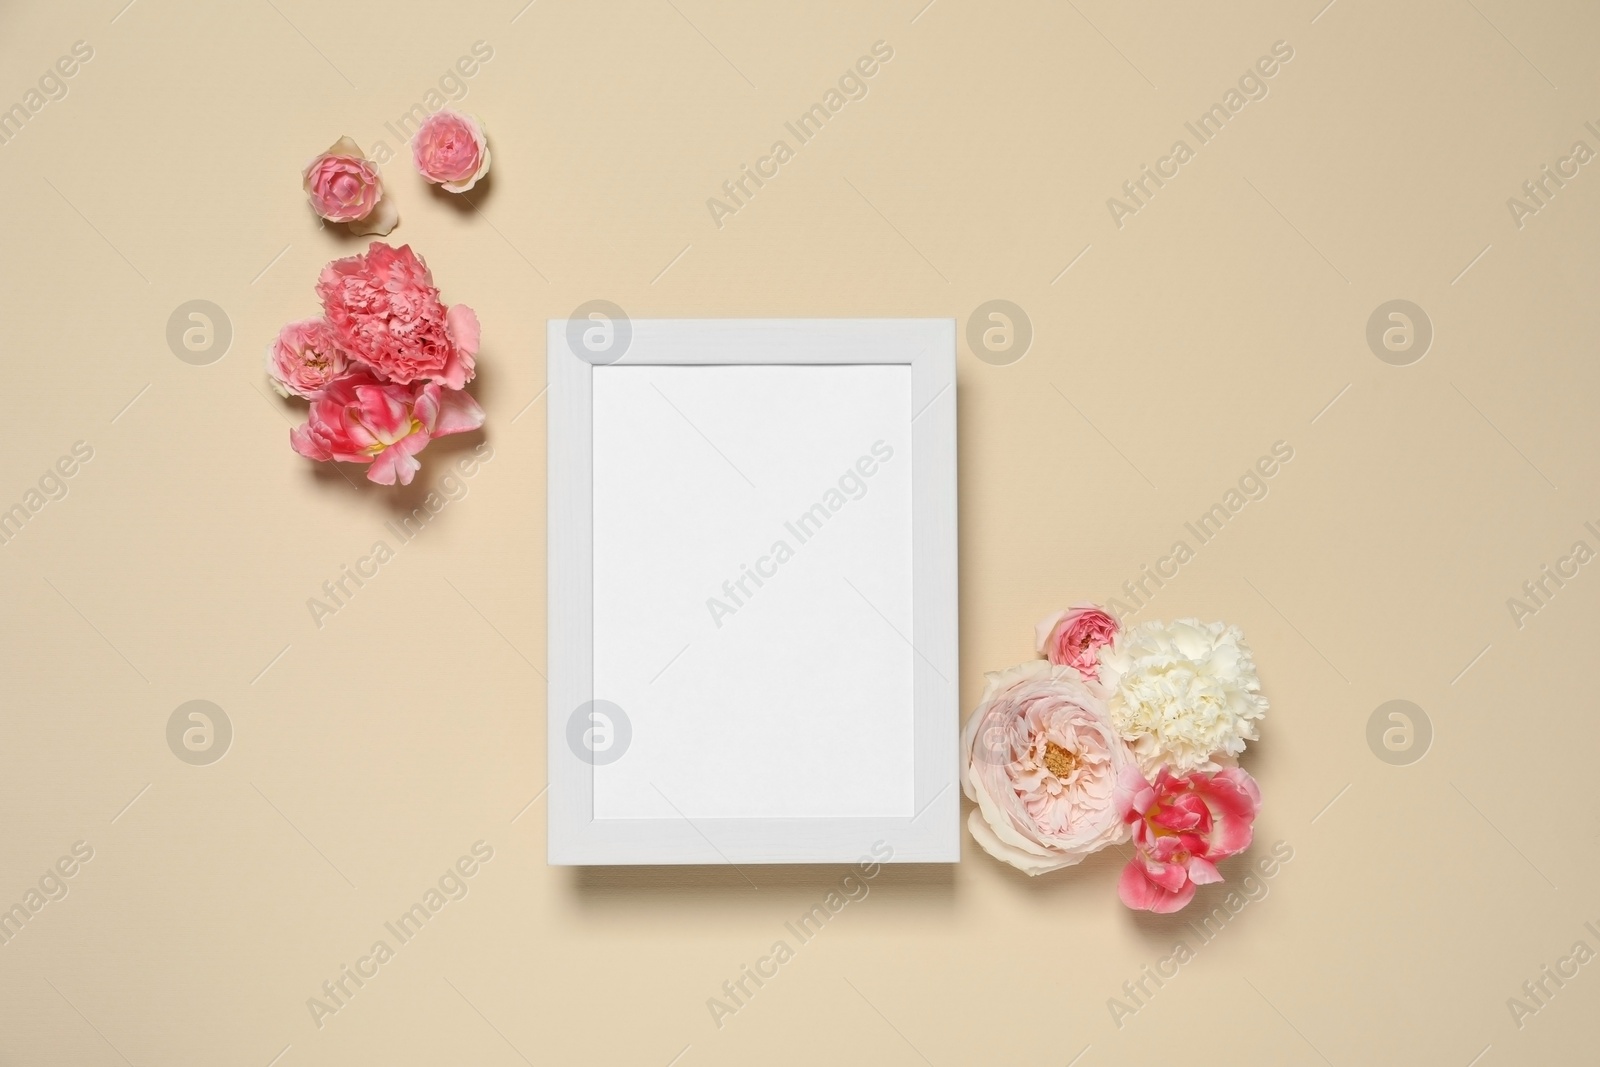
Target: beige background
(1226, 315)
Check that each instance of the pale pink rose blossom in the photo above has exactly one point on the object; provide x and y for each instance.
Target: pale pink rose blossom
(345, 186)
(358, 419)
(1040, 758)
(1181, 828)
(386, 312)
(451, 150)
(1075, 637)
(304, 358)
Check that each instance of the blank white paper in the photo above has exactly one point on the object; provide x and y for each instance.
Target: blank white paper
(752, 589)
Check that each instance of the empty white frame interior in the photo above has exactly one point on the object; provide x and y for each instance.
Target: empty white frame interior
(748, 612)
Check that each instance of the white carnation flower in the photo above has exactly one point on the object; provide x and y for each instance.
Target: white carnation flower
(1184, 694)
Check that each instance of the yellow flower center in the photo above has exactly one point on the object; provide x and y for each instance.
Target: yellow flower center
(1059, 761)
(379, 445)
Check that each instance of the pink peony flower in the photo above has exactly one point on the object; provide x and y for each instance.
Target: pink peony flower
(1075, 637)
(1041, 759)
(450, 149)
(1181, 827)
(386, 312)
(344, 186)
(304, 358)
(358, 419)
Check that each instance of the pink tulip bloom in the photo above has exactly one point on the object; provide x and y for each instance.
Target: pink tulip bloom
(1181, 828)
(359, 419)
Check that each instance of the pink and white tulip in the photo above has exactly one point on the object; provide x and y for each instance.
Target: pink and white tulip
(1181, 828)
(358, 419)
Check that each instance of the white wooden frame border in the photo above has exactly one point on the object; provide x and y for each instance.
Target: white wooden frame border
(932, 833)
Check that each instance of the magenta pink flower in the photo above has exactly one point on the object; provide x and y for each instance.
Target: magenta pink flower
(386, 312)
(344, 186)
(1074, 638)
(358, 419)
(1181, 828)
(451, 150)
(305, 358)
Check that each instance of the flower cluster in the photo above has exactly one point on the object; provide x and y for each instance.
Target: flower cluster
(384, 368)
(450, 149)
(1118, 734)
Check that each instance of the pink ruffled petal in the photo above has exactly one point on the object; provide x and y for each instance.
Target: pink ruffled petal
(461, 323)
(458, 371)
(458, 413)
(303, 441)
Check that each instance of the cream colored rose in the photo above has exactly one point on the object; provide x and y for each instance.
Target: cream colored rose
(1040, 758)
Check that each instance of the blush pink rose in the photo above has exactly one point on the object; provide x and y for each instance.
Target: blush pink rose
(386, 312)
(451, 150)
(358, 419)
(305, 358)
(345, 186)
(1041, 760)
(1181, 828)
(1075, 637)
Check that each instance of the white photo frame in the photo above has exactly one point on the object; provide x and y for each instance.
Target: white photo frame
(811, 715)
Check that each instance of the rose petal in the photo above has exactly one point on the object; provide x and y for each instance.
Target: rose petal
(385, 216)
(1028, 862)
(1041, 632)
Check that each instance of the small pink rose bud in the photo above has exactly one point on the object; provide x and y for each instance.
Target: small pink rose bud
(451, 150)
(345, 186)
